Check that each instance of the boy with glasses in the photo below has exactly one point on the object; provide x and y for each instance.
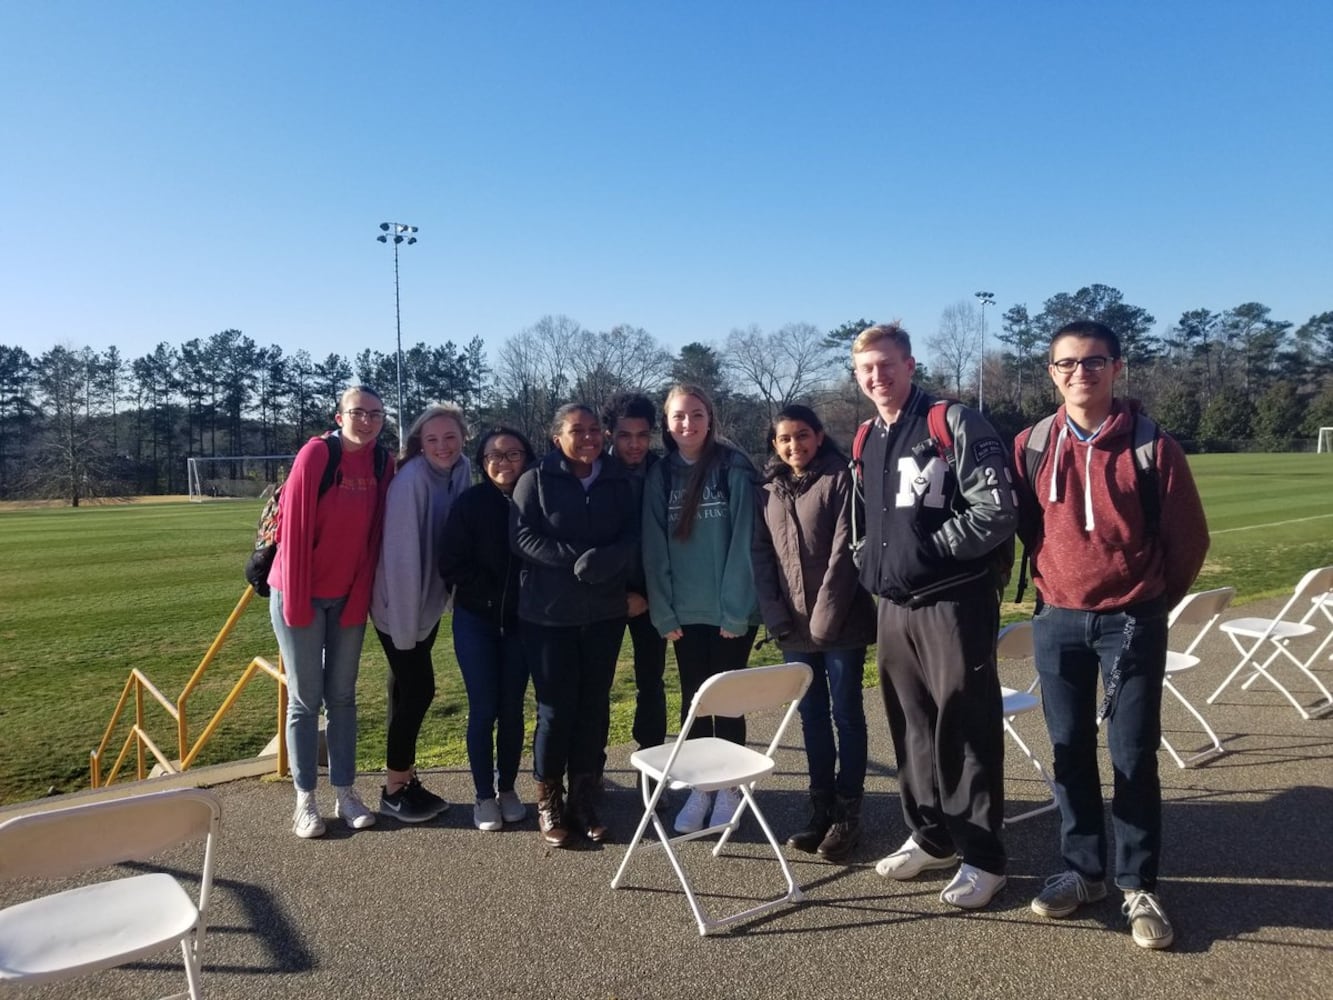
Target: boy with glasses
(1108, 565)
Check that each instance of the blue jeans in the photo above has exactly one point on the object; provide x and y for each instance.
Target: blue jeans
(837, 676)
(322, 660)
(495, 674)
(1073, 649)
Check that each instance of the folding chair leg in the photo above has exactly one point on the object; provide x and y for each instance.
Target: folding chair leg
(1215, 750)
(1038, 810)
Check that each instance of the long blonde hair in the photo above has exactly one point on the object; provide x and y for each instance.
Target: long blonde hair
(694, 486)
(412, 442)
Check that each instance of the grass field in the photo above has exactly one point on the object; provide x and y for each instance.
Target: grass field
(90, 593)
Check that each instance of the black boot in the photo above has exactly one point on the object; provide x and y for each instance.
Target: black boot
(821, 818)
(845, 833)
(551, 813)
(582, 812)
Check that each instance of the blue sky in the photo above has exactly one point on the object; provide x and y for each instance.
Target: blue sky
(173, 169)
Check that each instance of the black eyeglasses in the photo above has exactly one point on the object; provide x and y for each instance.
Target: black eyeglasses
(359, 414)
(513, 455)
(1067, 366)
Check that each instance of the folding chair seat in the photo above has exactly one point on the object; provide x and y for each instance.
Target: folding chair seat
(1015, 643)
(1254, 636)
(708, 763)
(1203, 609)
(111, 923)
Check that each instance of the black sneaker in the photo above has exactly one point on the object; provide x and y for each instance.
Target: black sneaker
(411, 803)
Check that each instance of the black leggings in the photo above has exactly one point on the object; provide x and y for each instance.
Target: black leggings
(411, 690)
(701, 652)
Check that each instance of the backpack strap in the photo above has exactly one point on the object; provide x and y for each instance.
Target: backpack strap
(937, 422)
(1146, 433)
(858, 487)
(335, 445)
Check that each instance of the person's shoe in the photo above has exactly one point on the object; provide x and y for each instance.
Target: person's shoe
(1065, 893)
(512, 809)
(306, 823)
(725, 804)
(1148, 922)
(349, 808)
(817, 827)
(911, 860)
(972, 888)
(411, 803)
(551, 813)
(845, 833)
(694, 814)
(582, 809)
(486, 815)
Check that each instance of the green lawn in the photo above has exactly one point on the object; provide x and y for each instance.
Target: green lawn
(90, 593)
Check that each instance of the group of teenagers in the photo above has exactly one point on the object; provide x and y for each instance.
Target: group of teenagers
(551, 557)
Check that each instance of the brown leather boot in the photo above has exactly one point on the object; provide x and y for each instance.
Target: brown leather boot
(845, 833)
(582, 812)
(551, 813)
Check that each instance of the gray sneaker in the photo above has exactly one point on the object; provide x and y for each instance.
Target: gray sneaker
(1148, 922)
(512, 809)
(1065, 893)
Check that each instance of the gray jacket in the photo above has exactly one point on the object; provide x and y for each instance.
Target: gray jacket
(807, 584)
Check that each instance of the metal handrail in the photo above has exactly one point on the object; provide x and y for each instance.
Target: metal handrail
(137, 683)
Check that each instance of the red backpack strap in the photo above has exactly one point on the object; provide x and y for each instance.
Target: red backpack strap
(938, 424)
(859, 441)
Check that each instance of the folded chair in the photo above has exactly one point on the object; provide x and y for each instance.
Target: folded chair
(110, 923)
(1015, 643)
(1203, 609)
(1253, 637)
(708, 763)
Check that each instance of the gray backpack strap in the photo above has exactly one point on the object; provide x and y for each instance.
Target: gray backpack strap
(1035, 448)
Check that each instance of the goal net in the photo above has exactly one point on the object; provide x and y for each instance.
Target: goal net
(1325, 442)
(216, 476)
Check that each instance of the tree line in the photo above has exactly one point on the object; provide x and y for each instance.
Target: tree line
(77, 423)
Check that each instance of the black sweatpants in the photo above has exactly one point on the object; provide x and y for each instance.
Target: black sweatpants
(701, 652)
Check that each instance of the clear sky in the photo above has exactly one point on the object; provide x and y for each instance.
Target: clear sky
(172, 169)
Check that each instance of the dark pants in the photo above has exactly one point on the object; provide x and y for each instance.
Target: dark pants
(1073, 650)
(701, 652)
(837, 680)
(411, 686)
(942, 696)
(650, 722)
(572, 670)
(495, 673)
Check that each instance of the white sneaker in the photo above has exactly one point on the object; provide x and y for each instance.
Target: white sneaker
(512, 809)
(486, 815)
(972, 888)
(349, 808)
(911, 860)
(692, 815)
(306, 823)
(725, 804)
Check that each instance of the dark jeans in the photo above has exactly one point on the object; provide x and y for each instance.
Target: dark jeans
(572, 670)
(411, 686)
(941, 693)
(701, 652)
(1073, 650)
(495, 674)
(837, 676)
(650, 722)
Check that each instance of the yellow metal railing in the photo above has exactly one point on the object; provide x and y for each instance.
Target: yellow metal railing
(138, 738)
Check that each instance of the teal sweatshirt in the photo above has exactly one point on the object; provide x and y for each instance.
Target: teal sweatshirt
(707, 579)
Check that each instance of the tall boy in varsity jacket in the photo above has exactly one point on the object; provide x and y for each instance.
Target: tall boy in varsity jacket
(934, 526)
(1115, 544)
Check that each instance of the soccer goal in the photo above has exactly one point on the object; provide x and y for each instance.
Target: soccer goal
(251, 476)
(1325, 442)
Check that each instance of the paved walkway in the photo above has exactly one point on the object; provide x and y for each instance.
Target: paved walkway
(441, 910)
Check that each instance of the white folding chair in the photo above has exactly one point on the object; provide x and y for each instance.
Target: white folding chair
(107, 924)
(1015, 643)
(1202, 608)
(708, 763)
(1251, 636)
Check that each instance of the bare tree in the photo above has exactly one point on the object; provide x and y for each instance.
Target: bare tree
(624, 357)
(533, 373)
(953, 348)
(789, 364)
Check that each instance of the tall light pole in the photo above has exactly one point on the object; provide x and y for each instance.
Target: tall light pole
(396, 233)
(987, 299)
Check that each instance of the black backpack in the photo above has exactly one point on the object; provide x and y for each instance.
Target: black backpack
(266, 533)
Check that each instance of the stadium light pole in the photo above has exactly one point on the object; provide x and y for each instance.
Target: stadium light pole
(987, 299)
(396, 233)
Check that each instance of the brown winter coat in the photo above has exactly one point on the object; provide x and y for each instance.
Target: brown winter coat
(808, 589)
